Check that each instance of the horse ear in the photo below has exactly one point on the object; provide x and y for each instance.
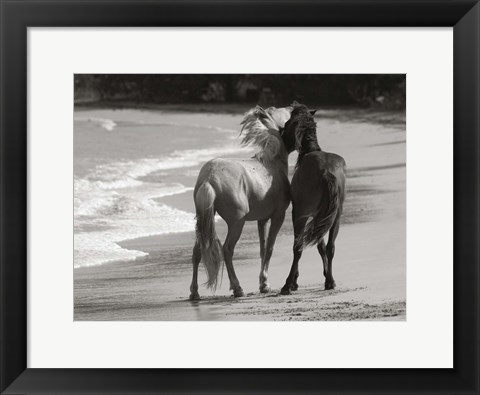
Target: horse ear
(312, 112)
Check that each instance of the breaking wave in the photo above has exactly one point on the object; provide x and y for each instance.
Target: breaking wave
(118, 201)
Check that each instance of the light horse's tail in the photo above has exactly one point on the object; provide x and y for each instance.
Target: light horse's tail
(206, 235)
(321, 223)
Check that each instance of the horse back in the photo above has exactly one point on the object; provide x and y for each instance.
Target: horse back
(307, 185)
(245, 187)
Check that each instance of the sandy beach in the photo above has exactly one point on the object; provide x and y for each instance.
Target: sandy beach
(369, 265)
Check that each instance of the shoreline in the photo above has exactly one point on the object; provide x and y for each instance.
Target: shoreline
(368, 288)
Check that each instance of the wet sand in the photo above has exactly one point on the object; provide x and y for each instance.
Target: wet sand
(369, 265)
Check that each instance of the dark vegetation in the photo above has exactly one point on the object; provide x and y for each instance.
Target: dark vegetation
(367, 90)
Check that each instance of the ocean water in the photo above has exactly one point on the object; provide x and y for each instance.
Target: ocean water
(124, 161)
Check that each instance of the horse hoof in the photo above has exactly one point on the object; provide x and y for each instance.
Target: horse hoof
(238, 293)
(285, 290)
(294, 287)
(330, 285)
(194, 296)
(264, 289)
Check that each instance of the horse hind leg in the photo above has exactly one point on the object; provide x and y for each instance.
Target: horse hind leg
(196, 257)
(322, 250)
(233, 234)
(275, 225)
(291, 281)
(330, 250)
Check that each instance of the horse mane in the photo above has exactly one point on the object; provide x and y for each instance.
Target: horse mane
(305, 131)
(261, 130)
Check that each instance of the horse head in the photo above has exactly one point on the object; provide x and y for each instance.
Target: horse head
(300, 124)
(262, 128)
(280, 116)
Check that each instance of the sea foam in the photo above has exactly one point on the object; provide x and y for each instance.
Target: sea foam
(114, 202)
(107, 124)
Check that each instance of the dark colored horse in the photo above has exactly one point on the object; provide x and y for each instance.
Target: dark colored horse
(318, 193)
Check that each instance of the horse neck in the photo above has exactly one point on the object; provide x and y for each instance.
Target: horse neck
(282, 160)
(309, 144)
(278, 162)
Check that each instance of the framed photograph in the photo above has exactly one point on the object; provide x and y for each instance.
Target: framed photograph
(228, 197)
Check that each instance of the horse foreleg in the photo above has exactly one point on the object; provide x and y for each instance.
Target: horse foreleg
(329, 281)
(196, 257)
(275, 225)
(291, 282)
(234, 232)
(261, 237)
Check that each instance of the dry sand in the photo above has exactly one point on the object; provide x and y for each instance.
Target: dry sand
(369, 265)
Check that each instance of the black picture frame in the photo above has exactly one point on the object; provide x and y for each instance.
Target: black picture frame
(17, 15)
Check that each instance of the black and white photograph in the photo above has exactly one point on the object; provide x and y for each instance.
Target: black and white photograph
(204, 197)
(239, 197)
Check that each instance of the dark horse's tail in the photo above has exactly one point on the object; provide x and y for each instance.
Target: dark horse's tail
(206, 235)
(318, 227)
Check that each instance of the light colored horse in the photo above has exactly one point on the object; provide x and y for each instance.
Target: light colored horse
(239, 190)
